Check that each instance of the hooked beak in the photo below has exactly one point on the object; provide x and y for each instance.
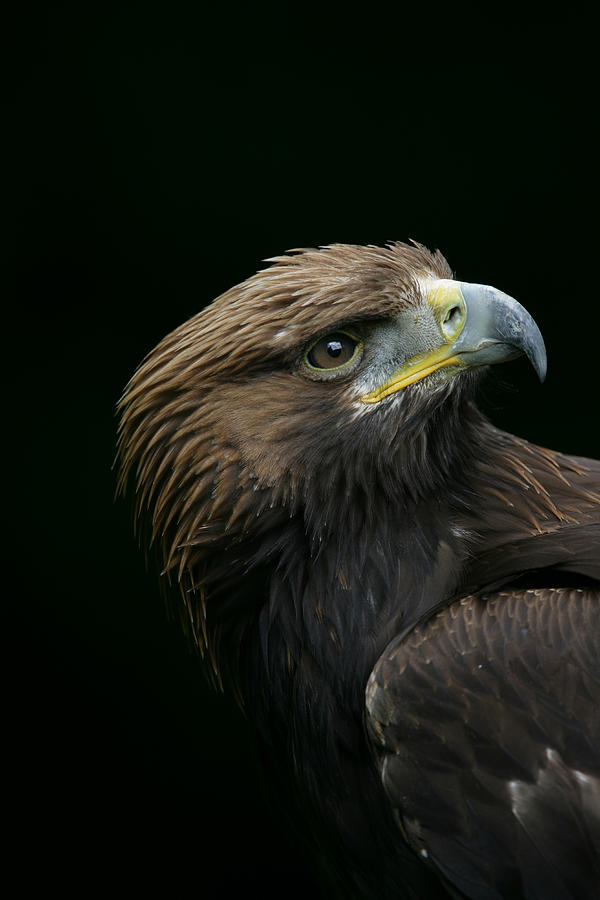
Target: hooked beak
(478, 326)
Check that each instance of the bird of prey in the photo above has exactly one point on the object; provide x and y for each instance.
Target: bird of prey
(405, 599)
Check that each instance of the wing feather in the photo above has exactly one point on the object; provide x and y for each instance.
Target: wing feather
(486, 725)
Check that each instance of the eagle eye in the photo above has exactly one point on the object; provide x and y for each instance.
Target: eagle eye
(333, 351)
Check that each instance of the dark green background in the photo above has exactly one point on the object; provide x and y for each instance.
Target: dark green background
(161, 155)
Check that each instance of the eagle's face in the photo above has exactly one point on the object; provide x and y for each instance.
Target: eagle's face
(322, 369)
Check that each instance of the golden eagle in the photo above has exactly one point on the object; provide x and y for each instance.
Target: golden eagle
(405, 599)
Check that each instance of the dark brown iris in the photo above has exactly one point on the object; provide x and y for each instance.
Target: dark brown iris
(332, 351)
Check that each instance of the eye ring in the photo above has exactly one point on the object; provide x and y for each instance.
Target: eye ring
(325, 353)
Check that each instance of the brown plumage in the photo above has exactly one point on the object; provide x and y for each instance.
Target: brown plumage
(337, 517)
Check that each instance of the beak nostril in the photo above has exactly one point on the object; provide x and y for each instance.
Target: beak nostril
(452, 314)
(452, 321)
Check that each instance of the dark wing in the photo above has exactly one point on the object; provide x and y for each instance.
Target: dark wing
(486, 725)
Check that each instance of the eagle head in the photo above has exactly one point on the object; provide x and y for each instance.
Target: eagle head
(331, 375)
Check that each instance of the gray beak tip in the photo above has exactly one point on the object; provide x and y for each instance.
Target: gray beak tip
(505, 325)
(535, 350)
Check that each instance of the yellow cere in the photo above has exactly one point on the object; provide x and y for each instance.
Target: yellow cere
(443, 292)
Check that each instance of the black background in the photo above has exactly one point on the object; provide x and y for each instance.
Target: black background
(161, 154)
